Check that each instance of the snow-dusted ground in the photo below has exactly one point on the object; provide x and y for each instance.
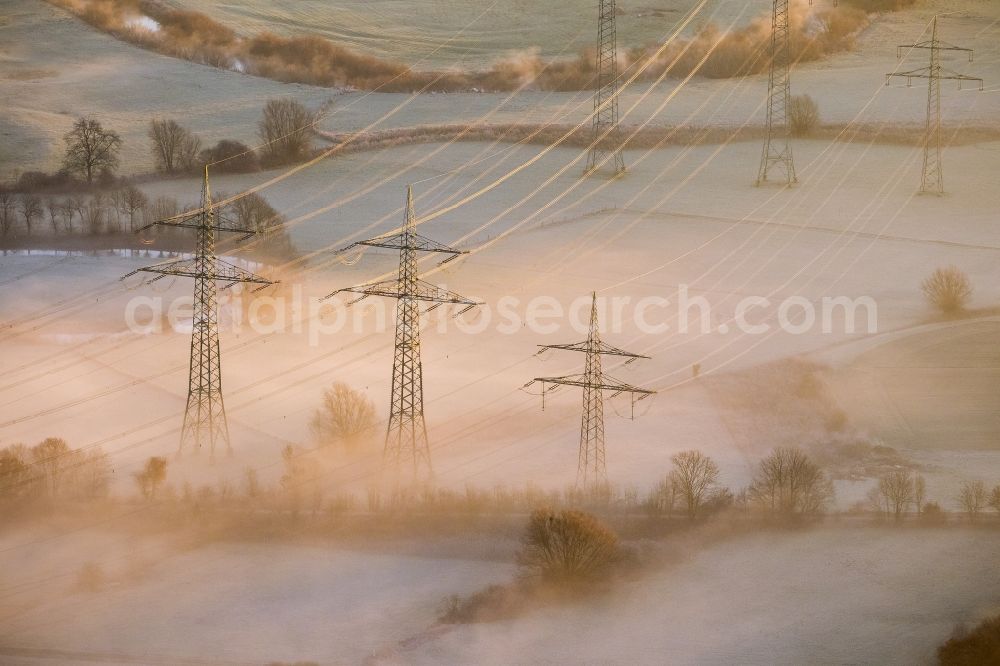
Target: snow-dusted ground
(45, 86)
(831, 595)
(861, 596)
(243, 603)
(853, 227)
(842, 232)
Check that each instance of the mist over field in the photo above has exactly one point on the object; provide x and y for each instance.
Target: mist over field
(322, 343)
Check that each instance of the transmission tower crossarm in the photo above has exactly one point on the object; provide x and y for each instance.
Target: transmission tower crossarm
(933, 44)
(599, 347)
(603, 385)
(400, 241)
(927, 73)
(418, 290)
(223, 271)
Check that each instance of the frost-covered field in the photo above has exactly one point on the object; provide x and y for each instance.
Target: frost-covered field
(852, 596)
(450, 33)
(242, 603)
(830, 595)
(853, 227)
(45, 86)
(833, 236)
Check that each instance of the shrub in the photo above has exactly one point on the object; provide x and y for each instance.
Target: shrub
(346, 418)
(977, 647)
(947, 289)
(231, 156)
(567, 546)
(495, 602)
(803, 115)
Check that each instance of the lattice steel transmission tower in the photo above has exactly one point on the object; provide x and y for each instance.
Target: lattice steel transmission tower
(205, 414)
(406, 441)
(590, 470)
(932, 178)
(606, 137)
(777, 151)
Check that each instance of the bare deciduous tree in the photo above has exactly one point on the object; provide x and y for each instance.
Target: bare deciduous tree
(662, 498)
(131, 201)
(567, 546)
(54, 209)
(7, 210)
(286, 128)
(174, 147)
(160, 208)
(788, 482)
(152, 476)
(346, 417)
(252, 211)
(91, 149)
(947, 289)
(919, 493)
(17, 478)
(51, 457)
(693, 477)
(79, 204)
(972, 497)
(803, 114)
(31, 209)
(995, 499)
(93, 216)
(896, 488)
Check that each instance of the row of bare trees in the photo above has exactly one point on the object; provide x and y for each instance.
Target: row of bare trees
(93, 152)
(285, 130)
(52, 471)
(786, 483)
(902, 491)
(120, 209)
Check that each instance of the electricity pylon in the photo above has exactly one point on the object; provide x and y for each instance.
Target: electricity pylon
(205, 414)
(932, 178)
(590, 470)
(406, 437)
(606, 138)
(777, 147)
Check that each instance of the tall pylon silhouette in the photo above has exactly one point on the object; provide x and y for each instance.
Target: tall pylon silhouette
(407, 451)
(777, 152)
(591, 469)
(205, 421)
(606, 136)
(932, 176)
